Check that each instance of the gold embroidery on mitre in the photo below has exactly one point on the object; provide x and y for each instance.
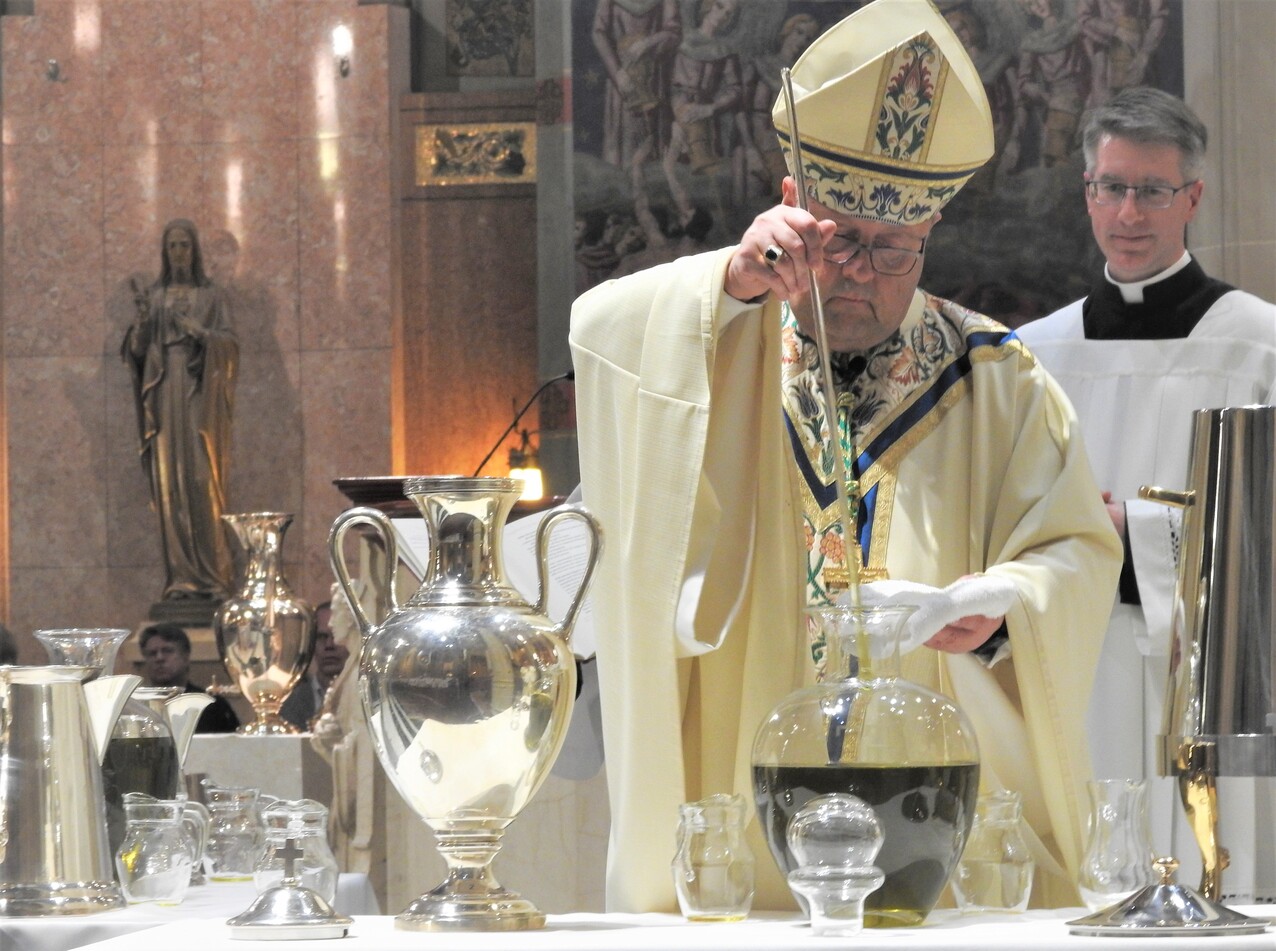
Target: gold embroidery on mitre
(910, 91)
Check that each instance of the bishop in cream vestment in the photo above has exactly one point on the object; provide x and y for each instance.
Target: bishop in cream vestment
(687, 461)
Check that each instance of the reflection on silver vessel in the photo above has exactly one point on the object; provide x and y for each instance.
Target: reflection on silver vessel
(265, 634)
(1220, 713)
(467, 689)
(54, 726)
(1221, 686)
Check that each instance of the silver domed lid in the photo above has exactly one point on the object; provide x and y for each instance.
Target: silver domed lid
(1166, 908)
(289, 909)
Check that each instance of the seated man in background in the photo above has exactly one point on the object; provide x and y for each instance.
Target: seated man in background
(329, 659)
(166, 662)
(8, 647)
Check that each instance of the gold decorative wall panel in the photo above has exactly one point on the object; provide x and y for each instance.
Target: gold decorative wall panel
(475, 153)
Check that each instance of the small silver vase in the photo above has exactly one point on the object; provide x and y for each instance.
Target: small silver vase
(265, 633)
(467, 688)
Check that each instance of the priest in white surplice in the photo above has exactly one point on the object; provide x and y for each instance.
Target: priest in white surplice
(1155, 340)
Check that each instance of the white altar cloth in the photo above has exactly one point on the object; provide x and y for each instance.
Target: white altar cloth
(215, 900)
(590, 932)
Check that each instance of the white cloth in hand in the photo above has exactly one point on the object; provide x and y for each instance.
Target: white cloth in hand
(986, 595)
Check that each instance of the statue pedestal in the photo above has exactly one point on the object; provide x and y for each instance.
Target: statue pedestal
(188, 612)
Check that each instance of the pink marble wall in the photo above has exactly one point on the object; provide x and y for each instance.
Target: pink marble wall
(230, 113)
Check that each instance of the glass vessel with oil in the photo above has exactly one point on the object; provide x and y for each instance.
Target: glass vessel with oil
(906, 750)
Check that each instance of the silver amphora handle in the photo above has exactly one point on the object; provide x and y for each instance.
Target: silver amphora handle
(380, 526)
(564, 627)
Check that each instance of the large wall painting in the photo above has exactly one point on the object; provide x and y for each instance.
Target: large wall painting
(490, 38)
(675, 153)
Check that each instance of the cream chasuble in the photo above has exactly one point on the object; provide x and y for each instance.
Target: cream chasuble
(686, 460)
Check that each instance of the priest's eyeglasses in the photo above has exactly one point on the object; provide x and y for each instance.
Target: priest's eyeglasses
(884, 259)
(1145, 196)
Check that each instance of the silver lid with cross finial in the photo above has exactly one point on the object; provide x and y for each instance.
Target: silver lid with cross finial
(289, 910)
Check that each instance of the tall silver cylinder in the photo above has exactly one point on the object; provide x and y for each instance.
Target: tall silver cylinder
(1221, 673)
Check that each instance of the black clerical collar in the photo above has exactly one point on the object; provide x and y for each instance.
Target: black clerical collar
(1170, 310)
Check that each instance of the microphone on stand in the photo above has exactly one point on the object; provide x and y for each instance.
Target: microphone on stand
(520, 457)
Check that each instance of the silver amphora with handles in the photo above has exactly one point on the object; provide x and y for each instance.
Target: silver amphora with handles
(467, 688)
(54, 726)
(1220, 712)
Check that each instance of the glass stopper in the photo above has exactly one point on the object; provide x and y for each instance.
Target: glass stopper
(835, 839)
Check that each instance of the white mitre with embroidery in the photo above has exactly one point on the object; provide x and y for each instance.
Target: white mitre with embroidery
(891, 112)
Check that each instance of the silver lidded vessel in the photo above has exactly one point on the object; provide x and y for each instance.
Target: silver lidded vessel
(468, 688)
(265, 633)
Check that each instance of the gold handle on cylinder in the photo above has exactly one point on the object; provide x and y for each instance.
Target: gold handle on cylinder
(1154, 493)
(1197, 766)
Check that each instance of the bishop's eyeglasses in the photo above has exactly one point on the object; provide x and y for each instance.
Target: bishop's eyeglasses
(884, 259)
(1145, 196)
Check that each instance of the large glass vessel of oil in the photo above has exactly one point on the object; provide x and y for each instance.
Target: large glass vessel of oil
(906, 750)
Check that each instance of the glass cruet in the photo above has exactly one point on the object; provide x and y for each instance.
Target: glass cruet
(1118, 859)
(996, 869)
(155, 857)
(907, 751)
(713, 866)
(235, 833)
(304, 823)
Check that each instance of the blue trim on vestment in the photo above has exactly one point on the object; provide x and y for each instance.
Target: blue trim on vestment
(954, 373)
(825, 495)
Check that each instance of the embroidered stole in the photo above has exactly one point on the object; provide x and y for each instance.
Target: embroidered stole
(889, 398)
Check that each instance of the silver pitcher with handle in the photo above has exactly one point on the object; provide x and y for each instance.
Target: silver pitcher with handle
(467, 688)
(1220, 712)
(151, 733)
(54, 728)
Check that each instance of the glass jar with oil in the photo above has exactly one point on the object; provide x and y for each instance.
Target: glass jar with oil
(907, 751)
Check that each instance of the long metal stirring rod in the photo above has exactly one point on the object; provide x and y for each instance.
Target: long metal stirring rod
(850, 539)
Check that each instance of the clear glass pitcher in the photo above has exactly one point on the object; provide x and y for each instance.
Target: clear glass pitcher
(907, 751)
(154, 861)
(1118, 856)
(713, 867)
(236, 836)
(298, 824)
(996, 868)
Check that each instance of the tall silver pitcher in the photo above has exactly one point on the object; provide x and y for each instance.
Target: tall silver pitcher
(1220, 712)
(54, 726)
(467, 688)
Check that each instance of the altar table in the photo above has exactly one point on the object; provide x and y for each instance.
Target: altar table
(216, 901)
(592, 932)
